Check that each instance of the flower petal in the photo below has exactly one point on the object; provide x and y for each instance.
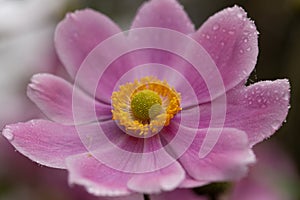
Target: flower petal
(98, 179)
(71, 36)
(231, 40)
(227, 160)
(101, 180)
(165, 179)
(164, 14)
(44, 142)
(55, 97)
(190, 182)
(258, 109)
(178, 194)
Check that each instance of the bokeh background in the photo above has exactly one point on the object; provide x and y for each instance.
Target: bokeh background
(26, 47)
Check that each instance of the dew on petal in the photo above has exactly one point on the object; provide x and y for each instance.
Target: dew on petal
(259, 100)
(216, 27)
(252, 26)
(248, 49)
(286, 97)
(8, 134)
(231, 32)
(240, 15)
(275, 125)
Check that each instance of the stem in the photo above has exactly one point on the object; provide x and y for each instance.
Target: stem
(213, 197)
(146, 197)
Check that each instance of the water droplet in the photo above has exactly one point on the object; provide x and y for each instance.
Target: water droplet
(275, 125)
(246, 33)
(216, 27)
(252, 26)
(222, 43)
(231, 32)
(8, 134)
(240, 15)
(286, 97)
(246, 40)
(241, 51)
(223, 30)
(248, 49)
(258, 100)
(207, 37)
(250, 102)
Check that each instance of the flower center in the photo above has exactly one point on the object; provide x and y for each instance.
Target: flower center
(144, 107)
(142, 102)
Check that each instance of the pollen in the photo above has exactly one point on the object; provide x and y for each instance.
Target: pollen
(145, 106)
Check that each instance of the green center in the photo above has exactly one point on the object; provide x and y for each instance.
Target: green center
(142, 102)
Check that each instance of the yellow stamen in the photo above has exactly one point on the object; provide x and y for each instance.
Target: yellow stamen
(145, 106)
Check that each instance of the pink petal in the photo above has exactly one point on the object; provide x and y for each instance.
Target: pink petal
(160, 64)
(146, 157)
(102, 180)
(231, 40)
(56, 98)
(178, 194)
(78, 34)
(228, 160)
(165, 179)
(44, 142)
(259, 109)
(98, 179)
(190, 182)
(165, 14)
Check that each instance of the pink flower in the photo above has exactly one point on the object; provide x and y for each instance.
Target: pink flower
(160, 107)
